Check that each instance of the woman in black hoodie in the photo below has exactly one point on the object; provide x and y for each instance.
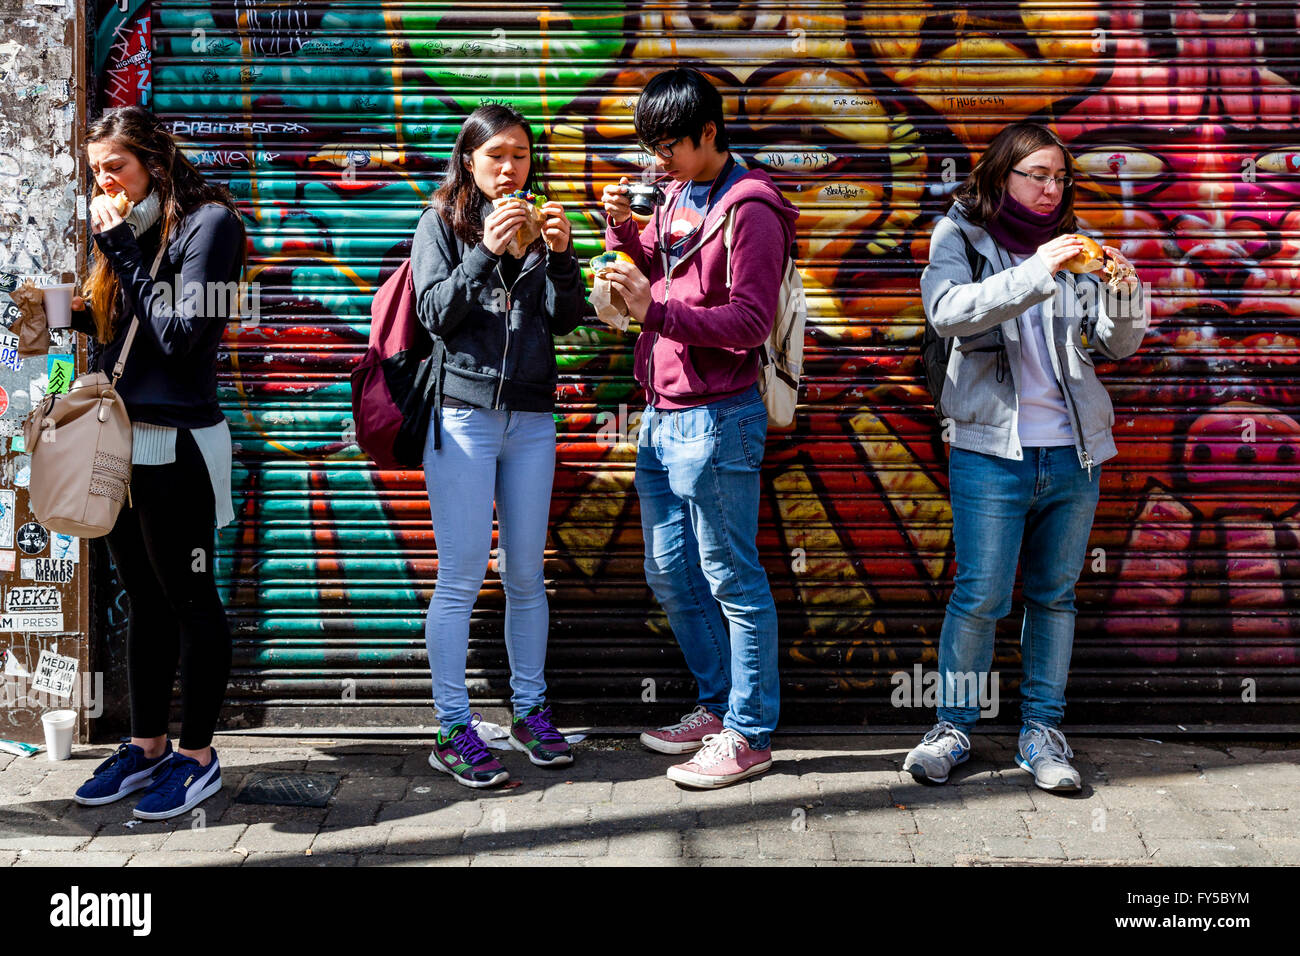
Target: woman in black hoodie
(491, 433)
(173, 263)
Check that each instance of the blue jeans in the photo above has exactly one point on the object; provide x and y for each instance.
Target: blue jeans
(697, 475)
(1048, 502)
(486, 455)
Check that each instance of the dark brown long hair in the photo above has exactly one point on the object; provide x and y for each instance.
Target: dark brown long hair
(982, 192)
(459, 200)
(181, 190)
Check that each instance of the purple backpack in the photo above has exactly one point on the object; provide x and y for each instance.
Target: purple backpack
(391, 383)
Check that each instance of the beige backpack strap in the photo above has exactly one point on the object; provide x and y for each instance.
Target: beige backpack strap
(135, 321)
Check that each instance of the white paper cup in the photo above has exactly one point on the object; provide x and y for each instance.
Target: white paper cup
(59, 727)
(58, 305)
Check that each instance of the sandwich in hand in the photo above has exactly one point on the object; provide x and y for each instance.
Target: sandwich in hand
(532, 227)
(1092, 258)
(608, 302)
(121, 203)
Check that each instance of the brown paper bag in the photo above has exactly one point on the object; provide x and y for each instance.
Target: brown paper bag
(31, 325)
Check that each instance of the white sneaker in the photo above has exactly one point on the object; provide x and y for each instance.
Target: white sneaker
(1044, 753)
(943, 748)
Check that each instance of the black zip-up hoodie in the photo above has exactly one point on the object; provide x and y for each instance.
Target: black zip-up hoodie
(496, 338)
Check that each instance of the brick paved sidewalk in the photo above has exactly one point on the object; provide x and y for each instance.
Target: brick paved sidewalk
(828, 800)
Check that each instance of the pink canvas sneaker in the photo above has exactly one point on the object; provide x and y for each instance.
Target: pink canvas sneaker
(725, 758)
(686, 735)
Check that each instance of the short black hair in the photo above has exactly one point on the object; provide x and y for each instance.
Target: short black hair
(678, 103)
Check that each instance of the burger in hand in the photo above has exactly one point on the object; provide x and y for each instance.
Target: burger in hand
(1093, 258)
(532, 227)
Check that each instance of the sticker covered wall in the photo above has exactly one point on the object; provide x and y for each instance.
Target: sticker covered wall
(331, 124)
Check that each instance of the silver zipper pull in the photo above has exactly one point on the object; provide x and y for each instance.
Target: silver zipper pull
(1087, 461)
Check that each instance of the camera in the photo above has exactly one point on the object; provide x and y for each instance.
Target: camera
(644, 197)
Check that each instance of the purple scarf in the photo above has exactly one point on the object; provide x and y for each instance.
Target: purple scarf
(1019, 229)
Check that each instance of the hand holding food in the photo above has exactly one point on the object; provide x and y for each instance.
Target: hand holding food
(529, 205)
(555, 227)
(628, 282)
(1094, 257)
(608, 302)
(108, 211)
(1057, 253)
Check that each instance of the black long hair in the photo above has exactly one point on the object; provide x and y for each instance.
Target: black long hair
(459, 200)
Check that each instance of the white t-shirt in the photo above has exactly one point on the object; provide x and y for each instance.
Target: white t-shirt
(1044, 416)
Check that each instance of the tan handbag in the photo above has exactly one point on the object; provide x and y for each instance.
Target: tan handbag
(80, 444)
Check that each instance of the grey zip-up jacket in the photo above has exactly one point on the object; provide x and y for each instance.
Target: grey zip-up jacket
(497, 341)
(1080, 314)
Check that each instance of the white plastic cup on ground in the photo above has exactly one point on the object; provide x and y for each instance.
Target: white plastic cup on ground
(58, 305)
(59, 726)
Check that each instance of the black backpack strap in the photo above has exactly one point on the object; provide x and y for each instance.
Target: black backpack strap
(973, 256)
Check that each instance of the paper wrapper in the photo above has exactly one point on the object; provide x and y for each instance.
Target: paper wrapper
(527, 234)
(609, 305)
(31, 325)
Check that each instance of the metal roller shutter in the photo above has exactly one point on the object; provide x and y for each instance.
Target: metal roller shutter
(331, 123)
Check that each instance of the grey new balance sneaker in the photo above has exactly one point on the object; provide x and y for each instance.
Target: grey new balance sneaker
(1044, 753)
(943, 748)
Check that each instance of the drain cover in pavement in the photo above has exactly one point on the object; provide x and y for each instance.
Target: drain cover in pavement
(288, 789)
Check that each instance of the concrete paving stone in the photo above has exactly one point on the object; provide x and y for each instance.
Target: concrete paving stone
(1211, 796)
(428, 841)
(301, 859)
(858, 791)
(252, 813)
(737, 795)
(973, 823)
(1267, 795)
(1274, 824)
(1129, 799)
(1248, 753)
(204, 859)
(1284, 852)
(871, 847)
(615, 817)
(1268, 771)
(412, 860)
(219, 836)
(369, 789)
(1073, 828)
(557, 843)
(360, 814)
(7, 857)
(1024, 848)
(458, 815)
(657, 790)
(356, 764)
(750, 862)
(638, 861)
(70, 858)
(284, 836)
(18, 783)
(795, 845)
(579, 791)
(938, 848)
(1189, 824)
(352, 840)
(885, 820)
(263, 761)
(778, 785)
(7, 759)
(730, 842)
(916, 796)
(1234, 851)
(995, 796)
(43, 841)
(651, 845)
(504, 859)
(149, 835)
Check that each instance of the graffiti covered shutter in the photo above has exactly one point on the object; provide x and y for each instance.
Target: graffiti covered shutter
(331, 123)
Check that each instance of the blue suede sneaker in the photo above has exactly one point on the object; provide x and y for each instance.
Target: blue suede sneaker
(181, 787)
(127, 771)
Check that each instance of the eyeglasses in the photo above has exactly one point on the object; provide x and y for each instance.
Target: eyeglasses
(1062, 182)
(662, 150)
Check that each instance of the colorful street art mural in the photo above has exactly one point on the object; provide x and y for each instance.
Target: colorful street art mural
(331, 123)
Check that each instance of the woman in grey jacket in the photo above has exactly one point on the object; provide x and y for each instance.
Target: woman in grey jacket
(491, 433)
(1029, 424)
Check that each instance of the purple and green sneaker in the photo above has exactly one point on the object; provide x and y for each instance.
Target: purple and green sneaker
(535, 735)
(463, 754)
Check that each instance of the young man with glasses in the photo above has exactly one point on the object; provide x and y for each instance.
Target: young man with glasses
(706, 305)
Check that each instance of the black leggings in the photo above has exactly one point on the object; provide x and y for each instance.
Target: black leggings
(163, 548)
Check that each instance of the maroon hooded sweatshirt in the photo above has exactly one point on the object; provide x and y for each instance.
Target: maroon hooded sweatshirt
(699, 341)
